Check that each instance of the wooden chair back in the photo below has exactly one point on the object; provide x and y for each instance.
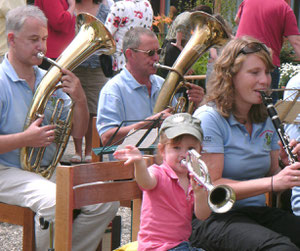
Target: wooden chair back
(21, 216)
(96, 141)
(79, 185)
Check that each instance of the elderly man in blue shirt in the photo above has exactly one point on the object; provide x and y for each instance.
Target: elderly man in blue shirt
(26, 29)
(131, 94)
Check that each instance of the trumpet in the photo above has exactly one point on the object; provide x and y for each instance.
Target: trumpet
(220, 198)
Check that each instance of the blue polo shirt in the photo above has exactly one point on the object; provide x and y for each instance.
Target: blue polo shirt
(15, 101)
(293, 130)
(123, 98)
(245, 157)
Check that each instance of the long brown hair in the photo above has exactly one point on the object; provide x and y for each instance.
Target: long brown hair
(220, 88)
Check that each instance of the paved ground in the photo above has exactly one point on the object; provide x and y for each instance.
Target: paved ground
(11, 235)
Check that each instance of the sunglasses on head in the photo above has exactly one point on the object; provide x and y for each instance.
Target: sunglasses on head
(252, 48)
(150, 53)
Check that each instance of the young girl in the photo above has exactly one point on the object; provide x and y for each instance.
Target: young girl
(170, 196)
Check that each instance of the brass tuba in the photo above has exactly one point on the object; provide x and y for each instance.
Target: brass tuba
(207, 31)
(92, 36)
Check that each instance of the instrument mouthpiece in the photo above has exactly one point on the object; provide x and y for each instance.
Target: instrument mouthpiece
(156, 65)
(52, 62)
(40, 55)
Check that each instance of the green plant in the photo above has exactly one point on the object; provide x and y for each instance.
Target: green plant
(287, 71)
(199, 67)
(228, 11)
(287, 54)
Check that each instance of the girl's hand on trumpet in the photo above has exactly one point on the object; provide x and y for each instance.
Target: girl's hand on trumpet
(201, 208)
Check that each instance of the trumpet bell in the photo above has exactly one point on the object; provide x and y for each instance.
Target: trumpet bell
(220, 198)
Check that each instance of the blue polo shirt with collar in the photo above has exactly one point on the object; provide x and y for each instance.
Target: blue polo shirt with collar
(245, 156)
(293, 130)
(122, 98)
(15, 101)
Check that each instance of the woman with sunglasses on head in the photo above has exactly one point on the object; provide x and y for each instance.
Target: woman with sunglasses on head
(241, 148)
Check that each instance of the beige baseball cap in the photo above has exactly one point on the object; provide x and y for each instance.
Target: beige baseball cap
(181, 123)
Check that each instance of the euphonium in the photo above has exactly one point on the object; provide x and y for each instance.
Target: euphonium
(92, 36)
(207, 31)
(220, 198)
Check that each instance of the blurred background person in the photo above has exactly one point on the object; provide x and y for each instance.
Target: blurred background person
(61, 26)
(177, 37)
(123, 16)
(173, 12)
(92, 80)
(214, 52)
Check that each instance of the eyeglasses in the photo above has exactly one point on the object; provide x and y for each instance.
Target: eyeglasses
(252, 48)
(150, 53)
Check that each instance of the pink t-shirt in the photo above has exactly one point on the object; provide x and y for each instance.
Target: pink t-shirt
(268, 21)
(167, 212)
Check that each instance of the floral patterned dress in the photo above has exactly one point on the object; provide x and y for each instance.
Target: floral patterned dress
(123, 16)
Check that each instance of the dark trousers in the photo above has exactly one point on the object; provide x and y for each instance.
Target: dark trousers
(172, 52)
(248, 228)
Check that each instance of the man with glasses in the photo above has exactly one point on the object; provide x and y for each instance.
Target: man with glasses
(131, 94)
(269, 21)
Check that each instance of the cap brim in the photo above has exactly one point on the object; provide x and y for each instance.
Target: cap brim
(172, 133)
